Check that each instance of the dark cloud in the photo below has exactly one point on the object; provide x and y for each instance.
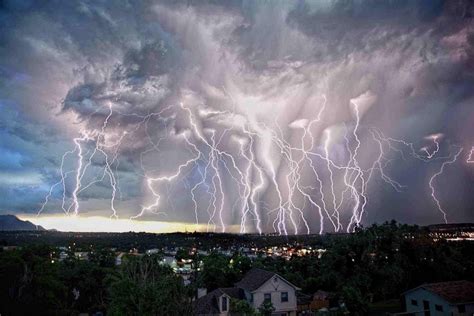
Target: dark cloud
(101, 71)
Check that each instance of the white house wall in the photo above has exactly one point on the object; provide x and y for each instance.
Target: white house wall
(421, 294)
(276, 288)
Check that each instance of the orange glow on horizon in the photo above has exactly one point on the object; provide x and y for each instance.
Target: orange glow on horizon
(107, 224)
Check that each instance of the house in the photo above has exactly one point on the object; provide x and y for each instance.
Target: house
(260, 285)
(321, 299)
(170, 261)
(303, 303)
(81, 255)
(119, 258)
(152, 251)
(63, 255)
(257, 286)
(445, 298)
(217, 302)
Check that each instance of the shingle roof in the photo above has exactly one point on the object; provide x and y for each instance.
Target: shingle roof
(209, 305)
(233, 292)
(454, 292)
(206, 305)
(303, 299)
(321, 295)
(254, 279)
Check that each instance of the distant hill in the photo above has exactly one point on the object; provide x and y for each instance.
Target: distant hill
(11, 222)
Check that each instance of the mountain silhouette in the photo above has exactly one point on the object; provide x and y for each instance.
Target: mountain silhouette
(11, 222)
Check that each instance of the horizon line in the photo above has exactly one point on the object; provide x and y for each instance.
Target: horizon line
(95, 224)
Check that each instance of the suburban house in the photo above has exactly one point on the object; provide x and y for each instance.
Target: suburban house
(303, 303)
(256, 287)
(319, 301)
(445, 298)
(217, 302)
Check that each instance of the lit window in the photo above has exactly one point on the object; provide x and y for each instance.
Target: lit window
(414, 302)
(267, 297)
(284, 296)
(439, 308)
(224, 303)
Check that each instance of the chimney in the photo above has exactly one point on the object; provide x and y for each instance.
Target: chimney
(201, 292)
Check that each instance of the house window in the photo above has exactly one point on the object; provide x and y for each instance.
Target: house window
(462, 309)
(426, 307)
(224, 306)
(284, 296)
(414, 302)
(267, 297)
(439, 308)
(251, 297)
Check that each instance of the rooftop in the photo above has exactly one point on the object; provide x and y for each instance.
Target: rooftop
(454, 292)
(208, 304)
(254, 279)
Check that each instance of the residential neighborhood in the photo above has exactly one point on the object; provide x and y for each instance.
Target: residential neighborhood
(388, 269)
(444, 298)
(236, 157)
(257, 287)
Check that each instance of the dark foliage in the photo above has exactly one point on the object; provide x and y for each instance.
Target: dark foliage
(373, 264)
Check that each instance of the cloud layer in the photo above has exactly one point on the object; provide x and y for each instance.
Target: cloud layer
(275, 116)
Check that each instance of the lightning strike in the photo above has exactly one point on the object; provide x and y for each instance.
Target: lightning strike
(437, 174)
(335, 186)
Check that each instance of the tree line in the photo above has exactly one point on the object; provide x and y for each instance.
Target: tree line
(373, 264)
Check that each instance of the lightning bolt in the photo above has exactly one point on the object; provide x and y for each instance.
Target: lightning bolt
(437, 174)
(469, 157)
(109, 151)
(434, 138)
(305, 178)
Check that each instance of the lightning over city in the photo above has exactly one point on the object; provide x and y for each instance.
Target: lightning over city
(236, 157)
(290, 118)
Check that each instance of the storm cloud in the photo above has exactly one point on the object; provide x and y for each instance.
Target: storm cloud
(284, 116)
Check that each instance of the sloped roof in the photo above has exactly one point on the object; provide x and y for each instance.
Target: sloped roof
(206, 305)
(454, 292)
(303, 299)
(254, 279)
(321, 295)
(209, 305)
(233, 292)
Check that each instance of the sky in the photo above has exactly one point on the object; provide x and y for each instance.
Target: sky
(285, 117)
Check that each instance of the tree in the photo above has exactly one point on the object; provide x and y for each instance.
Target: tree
(242, 308)
(215, 272)
(240, 264)
(29, 282)
(144, 287)
(86, 285)
(355, 301)
(266, 309)
(183, 253)
(102, 257)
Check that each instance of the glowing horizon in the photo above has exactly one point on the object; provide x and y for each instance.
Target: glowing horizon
(99, 224)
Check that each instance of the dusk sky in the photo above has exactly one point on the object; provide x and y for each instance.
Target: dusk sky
(238, 116)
